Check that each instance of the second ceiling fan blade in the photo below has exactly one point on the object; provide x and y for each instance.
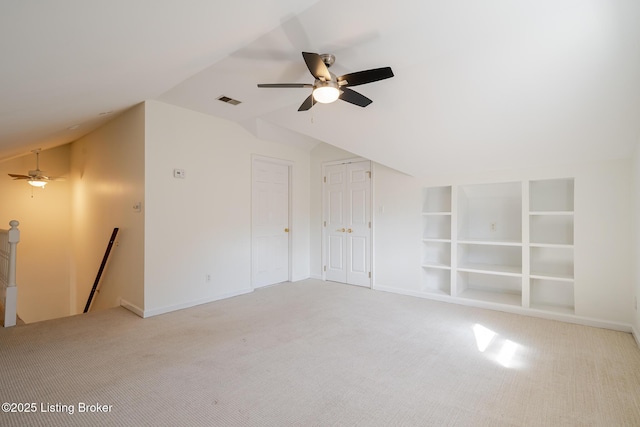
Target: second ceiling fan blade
(353, 97)
(367, 76)
(307, 104)
(316, 66)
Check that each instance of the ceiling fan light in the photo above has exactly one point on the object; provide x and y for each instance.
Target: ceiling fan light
(37, 183)
(326, 92)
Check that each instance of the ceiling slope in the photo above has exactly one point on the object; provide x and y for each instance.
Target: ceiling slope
(68, 62)
(477, 86)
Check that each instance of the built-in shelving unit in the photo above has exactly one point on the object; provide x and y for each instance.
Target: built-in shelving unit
(436, 240)
(505, 243)
(489, 245)
(551, 248)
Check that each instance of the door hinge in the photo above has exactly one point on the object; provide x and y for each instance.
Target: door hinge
(369, 275)
(325, 223)
(325, 179)
(369, 224)
(369, 172)
(325, 268)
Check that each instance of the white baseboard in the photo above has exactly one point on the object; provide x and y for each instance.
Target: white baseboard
(131, 307)
(567, 318)
(636, 335)
(313, 276)
(188, 304)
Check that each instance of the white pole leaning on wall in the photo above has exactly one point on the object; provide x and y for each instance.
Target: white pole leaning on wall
(11, 294)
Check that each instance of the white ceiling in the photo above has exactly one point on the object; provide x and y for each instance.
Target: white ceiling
(478, 85)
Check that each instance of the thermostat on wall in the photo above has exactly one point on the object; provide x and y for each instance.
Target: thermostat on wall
(178, 173)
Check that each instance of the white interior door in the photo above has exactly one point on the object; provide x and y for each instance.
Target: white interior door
(270, 223)
(347, 223)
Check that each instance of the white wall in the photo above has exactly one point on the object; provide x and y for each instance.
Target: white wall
(602, 246)
(107, 174)
(202, 224)
(636, 241)
(43, 271)
(397, 231)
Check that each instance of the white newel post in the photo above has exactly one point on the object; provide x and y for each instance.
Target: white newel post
(11, 295)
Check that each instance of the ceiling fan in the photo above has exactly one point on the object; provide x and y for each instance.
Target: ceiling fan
(35, 177)
(327, 87)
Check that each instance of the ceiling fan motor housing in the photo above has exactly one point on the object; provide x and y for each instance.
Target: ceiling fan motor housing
(328, 59)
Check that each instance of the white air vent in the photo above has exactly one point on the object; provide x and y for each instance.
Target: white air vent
(228, 100)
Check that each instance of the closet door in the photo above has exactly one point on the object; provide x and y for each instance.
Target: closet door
(347, 223)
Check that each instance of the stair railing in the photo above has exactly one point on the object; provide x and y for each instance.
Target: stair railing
(8, 290)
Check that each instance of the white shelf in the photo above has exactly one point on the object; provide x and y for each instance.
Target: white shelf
(436, 281)
(439, 292)
(436, 213)
(551, 245)
(436, 265)
(552, 295)
(551, 213)
(494, 259)
(552, 229)
(436, 253)
(498, 270)
(436, 227)
(495, 297)
(553, 308)
(552, 262)
(490, 242)
(555, 278)
(437, 240)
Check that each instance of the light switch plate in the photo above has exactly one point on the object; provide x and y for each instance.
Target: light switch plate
(178, 173)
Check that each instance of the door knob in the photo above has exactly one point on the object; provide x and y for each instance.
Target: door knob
(349, 231)
(286, 230)
(341, 230)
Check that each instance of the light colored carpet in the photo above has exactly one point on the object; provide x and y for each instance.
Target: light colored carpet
(317, 353)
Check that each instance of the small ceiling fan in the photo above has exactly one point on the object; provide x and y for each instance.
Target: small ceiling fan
(327, 87)
(35, 177)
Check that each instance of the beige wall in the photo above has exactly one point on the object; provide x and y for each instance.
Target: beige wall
(107, 174)
(201, 225)
(43, 270)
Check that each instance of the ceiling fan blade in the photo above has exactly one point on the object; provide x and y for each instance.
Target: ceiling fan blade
(307, 104)
(296, 85)
(316, 66)
(367, 76)
(354, 97)
(16, 176)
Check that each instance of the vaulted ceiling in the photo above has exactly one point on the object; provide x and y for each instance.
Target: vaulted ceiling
(484, 85)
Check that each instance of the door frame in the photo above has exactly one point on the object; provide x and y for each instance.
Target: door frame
(289, 165)
(323, 248)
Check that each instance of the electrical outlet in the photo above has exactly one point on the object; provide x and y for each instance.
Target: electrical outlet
(207, 278)
(493, 227)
